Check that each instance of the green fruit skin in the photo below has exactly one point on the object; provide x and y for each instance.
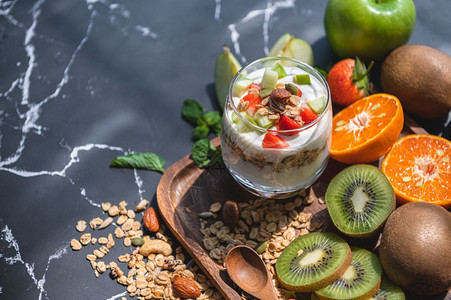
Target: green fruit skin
(368, 29)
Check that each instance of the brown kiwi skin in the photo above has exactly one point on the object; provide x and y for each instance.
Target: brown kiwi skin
(323, 283)
(415, 248)
(420, 77)
(367, 295)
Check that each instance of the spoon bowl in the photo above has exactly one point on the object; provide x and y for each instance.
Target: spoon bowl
(248, 271)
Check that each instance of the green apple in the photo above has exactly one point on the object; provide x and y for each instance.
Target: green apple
(369, 29)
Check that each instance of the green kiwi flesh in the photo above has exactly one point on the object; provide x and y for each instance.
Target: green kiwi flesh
(359, 200)
(313, 261)
(388, 291)
(361, 279)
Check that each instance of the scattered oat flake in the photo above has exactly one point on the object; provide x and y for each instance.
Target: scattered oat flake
(81, 226)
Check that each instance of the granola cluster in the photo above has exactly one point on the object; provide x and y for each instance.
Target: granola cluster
(284, 100)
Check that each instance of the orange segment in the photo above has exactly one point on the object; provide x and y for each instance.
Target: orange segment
(419, 169)
(366, 130)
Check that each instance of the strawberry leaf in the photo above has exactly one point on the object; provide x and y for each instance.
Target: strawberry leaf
(360, 75)
(146, 161)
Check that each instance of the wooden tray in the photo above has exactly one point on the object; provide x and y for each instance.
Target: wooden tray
(183, 185)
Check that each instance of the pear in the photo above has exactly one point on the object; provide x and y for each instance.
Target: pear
(289, 46)
(225, 69)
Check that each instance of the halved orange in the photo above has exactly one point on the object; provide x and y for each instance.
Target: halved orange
(367, 129)
(419, 169)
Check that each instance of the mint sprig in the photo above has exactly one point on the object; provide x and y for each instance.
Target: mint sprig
(146, 161)
(204, 123)
(205, 154)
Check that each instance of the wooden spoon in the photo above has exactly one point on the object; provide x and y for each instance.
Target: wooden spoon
(249, 272)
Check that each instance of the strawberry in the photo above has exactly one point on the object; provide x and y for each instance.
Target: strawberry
(255, 86)
(349, 81)
(274, 141)
(286, 123)
(307, 114)
(299, 92)
(253, 100)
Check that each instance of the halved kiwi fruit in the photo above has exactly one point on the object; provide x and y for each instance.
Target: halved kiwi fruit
(359, 200)
(388, 291)
(361, 279)
(313, 261)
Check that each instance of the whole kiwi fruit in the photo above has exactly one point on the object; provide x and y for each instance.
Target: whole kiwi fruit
(420, 76)
(415, 249)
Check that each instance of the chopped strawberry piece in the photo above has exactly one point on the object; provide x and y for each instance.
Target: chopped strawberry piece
(253, 100)
(256, 86)
(299, 92)
(286, 123)
(307, 114)
(274, 141)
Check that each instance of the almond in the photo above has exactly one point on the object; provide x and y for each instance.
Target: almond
(186, 288)
(150, 220)
(230, 214)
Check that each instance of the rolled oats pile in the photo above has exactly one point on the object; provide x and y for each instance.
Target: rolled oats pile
(263, 224)
(151, 270)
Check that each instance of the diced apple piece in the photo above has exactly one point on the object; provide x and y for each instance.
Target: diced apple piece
(241, 85)
(280, 70)
(269, 79)
(263, 121)
(302, 79)
(318, 104)
(241, 125)
(265, 93)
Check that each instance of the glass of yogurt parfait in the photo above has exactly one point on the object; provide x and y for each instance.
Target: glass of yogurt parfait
(277, 124)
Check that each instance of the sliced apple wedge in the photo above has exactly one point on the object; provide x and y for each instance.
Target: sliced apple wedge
(289, 46)
(225, 69)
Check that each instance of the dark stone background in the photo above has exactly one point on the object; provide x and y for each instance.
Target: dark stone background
(83, 81)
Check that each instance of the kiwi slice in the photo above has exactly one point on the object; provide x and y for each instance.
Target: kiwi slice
(359, 200)
(313, 261)
(388, 291)
(361, 279)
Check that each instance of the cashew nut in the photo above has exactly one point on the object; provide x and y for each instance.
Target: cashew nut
(155, 246)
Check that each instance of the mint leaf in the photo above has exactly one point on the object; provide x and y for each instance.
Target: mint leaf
(200, 132)
(146, 161)
(192, 111)
(200, 153)
(212, 118)
(205, 154)
(216, 128)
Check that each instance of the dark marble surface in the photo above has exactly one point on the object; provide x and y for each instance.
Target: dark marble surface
(84, 81)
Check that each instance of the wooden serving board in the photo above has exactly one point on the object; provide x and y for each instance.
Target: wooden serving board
(185, 191)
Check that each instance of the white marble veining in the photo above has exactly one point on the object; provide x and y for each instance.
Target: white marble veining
(265, 14)
(25, 119)
(15, 257)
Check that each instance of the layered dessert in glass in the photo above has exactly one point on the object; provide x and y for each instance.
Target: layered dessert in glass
(277, 124)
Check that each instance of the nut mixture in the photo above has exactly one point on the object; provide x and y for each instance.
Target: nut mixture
(151, 270)
(273, 222)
